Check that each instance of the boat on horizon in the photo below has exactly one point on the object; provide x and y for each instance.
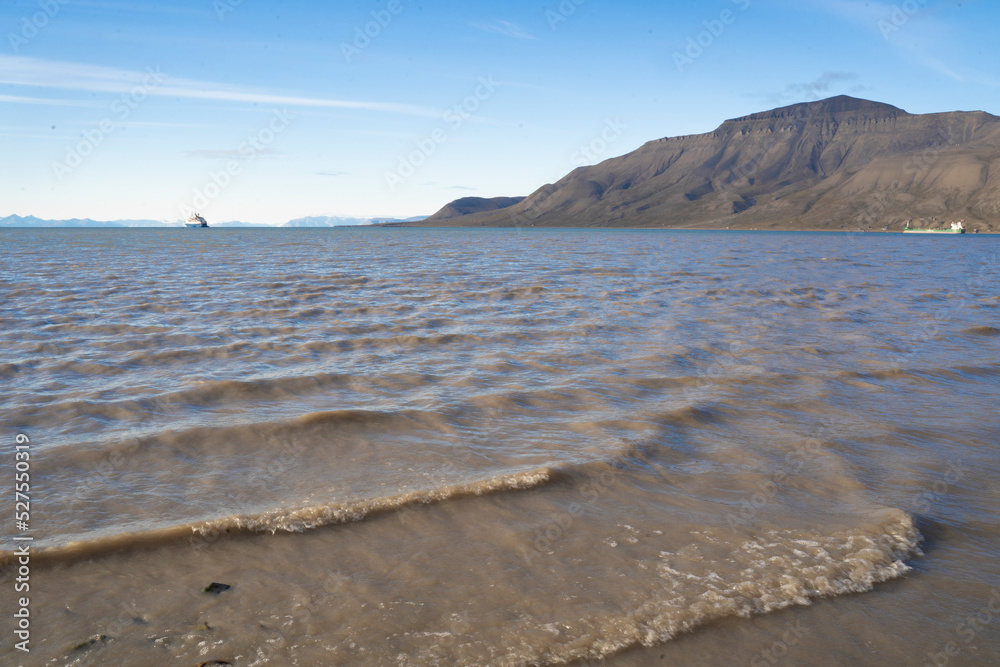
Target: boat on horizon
(196, 221)
(956, 228)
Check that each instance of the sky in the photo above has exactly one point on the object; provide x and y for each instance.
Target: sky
(268, 111)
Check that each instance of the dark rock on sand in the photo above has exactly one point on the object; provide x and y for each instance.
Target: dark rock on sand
(215, 588)
(96, 639)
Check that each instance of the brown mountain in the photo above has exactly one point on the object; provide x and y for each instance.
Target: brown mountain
(470, 205)
(839, 163)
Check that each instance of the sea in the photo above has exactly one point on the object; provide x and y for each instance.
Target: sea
(409, 446)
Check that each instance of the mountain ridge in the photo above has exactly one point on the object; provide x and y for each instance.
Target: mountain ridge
(469, 205)
(842, 163)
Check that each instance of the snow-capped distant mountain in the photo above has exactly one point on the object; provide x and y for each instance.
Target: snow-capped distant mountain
(379, 221)
(310, 221)
(336, 221)
(32, 221)
(324, 221)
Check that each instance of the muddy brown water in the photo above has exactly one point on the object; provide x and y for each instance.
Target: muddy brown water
(503, 447)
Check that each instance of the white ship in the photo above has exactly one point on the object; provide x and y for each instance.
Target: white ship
(956, 228)
(196, 221)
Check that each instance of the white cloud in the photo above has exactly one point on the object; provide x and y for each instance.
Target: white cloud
(34, 72)
(918, 31)
(16, 99)
(158, 8)
(230, 153)
(860, 12)
(505, 28)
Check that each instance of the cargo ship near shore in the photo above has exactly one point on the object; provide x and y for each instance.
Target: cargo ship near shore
(956, 228)
(196, 221)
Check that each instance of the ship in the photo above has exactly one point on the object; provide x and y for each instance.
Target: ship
(956, 228)
(196, 221)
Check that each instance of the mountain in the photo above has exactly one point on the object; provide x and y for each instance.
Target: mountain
(324, 221)
(333, 221)
(841, 164)
(470, 205)
(314, 221)
(32, 221)
(384, 221)
(233, 223)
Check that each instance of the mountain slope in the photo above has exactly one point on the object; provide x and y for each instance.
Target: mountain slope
(839, 163)
(470, 205)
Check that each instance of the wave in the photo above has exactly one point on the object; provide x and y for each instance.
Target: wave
(207, 394)
(778, 569)
(760, 573)
(294, 520)
(915, 373)
(981, 331)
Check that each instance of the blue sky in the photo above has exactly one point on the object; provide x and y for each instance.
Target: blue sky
(266, 111)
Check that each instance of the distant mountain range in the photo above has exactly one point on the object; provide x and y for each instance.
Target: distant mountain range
(839, 164)
(32, 221)
(315, 221)
(330, 221)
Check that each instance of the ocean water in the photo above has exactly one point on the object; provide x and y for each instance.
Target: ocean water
(502, 447)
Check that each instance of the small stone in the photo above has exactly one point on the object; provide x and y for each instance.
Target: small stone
(213, 662)
(216, 588)
(96, 639)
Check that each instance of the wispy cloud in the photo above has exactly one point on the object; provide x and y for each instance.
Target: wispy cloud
(459, 187)
(135, 123)
(919, 33)
(46, 101)
(38, 73)
(504, 28)
(820, 87)
(860, 12)
(158, 8)
(330, 173)
(30, 132)
(937, 65)
(824, 86)
(230, 154)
